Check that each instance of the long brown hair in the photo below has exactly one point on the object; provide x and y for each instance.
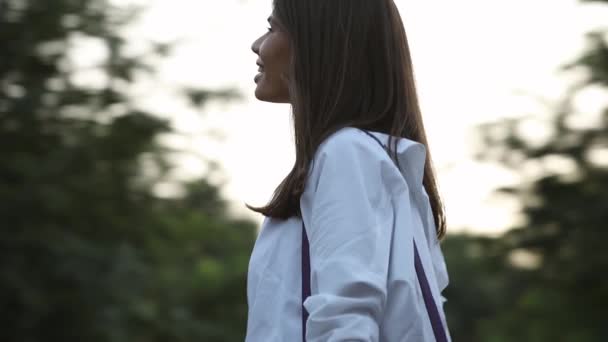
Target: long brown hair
(350, 67)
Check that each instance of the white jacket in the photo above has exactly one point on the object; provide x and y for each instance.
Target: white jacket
(361, 214)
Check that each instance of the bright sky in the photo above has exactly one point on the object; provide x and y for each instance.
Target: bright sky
(473, 59)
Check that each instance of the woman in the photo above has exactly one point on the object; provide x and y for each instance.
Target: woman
(349, 248)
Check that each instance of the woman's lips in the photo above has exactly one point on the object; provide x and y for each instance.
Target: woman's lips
(260, 70)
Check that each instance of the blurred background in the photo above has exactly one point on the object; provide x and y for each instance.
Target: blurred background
(130, 141)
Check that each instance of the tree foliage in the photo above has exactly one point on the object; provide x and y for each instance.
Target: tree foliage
(558, 293)
(88, 252)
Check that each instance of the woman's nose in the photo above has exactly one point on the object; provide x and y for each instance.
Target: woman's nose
(255, 47)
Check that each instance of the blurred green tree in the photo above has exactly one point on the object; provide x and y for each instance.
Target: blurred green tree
(546, 279)
(88, 252)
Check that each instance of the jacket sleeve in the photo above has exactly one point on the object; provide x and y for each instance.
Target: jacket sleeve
(344, 208)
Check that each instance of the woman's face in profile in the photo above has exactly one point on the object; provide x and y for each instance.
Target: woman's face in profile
(273, 53)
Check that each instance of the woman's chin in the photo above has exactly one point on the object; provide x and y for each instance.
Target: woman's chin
(267, 94)
(260, 94)
(266, 97)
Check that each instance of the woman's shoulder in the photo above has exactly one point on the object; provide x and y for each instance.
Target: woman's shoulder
(353, 152)
(350, 154)
(348, 142)
(352, 142)
(346, 151)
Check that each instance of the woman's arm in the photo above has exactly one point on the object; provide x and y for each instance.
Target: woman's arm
(343, 205)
